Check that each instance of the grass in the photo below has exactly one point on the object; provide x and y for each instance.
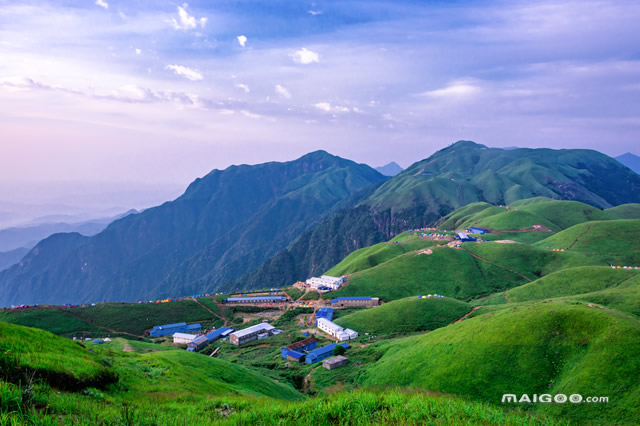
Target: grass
(447, 271)
(137, 318)
(571, 281)
(366, 258)
(625, 211)
(56, 321)
(548, 347)
(294, 292)
(61, 362)
(611, 242)
(406, 316)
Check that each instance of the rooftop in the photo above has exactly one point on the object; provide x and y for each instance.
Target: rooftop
(265, 326)
(339, 299)
(336, 359)
(176, 325)
(255, 298)
(301, 343)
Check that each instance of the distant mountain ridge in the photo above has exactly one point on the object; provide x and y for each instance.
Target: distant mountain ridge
(462, 173)
(390, 169)
(225, 223)
(630, 160)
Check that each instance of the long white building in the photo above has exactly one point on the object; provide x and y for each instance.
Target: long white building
(183, 338)
(258, 331)
(327, 281)
(333, 329)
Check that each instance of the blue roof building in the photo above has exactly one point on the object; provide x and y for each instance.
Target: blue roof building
(219, 334)
(355, 301)
(256, 299)
(303, 345)
(324, 313)
(475, 230)
(322, 353)
(464, 237)
(180, 327)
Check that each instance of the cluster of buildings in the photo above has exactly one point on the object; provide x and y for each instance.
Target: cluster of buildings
(202, 341)
(296, 351)
(325, 283)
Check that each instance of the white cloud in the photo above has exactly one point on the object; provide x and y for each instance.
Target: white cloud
(191, 74)
(305, 57)
(458, 89)
(138, 51)
(282, 91)
(185, 21)
(324, 106)
(102, 4)
(315, 12)
(243, 87)
(242, 40)
(342, 109)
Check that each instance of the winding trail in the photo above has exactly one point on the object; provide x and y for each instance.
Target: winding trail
(224, 316)
(495, 264)
(475, 308)
(580, 236)
(207, 308)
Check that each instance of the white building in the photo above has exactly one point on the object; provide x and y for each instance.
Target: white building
(258, 331)
(333, 329)
(333, 283)
(183, 338)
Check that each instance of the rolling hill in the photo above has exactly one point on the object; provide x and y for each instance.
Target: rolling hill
(630, 160)
(407, 315)
(461, 174)
(225, 223)
(552, 347)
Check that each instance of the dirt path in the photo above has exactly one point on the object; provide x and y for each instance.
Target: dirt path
(127, 347)
(224, 316)
(506, 297)
(475, 308)
(205, 307)
(499, 266)
(306, 384)
(580, 236)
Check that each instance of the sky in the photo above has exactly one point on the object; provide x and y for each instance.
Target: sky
(112, 104)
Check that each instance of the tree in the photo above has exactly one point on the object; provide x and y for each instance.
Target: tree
(339, 350)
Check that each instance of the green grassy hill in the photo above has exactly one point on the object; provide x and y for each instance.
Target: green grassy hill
(449, 272)
(109, 319)
(614, 242)
(625, 211)
(571, 281)
(548, 347)
(406, 316)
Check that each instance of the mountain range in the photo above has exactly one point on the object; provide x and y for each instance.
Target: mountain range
(225, 223)
(272, 224)
(630, 160)
(390, 169)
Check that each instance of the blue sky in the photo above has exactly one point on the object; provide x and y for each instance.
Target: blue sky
(155, 93)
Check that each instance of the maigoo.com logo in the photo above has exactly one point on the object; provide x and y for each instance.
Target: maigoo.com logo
(511, 398)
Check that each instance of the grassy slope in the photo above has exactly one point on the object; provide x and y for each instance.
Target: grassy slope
(406, 316)
(624, 211)
(571, 281)
(60, 361)
(553, 347)
(56, 321)
(616, 241)
(450, 272)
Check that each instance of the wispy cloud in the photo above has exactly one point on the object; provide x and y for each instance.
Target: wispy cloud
(458, 89)
(282, 91)
(305, 57)
(185, 21)
(244, 87)
(242, 40)
(324, 106)
(315, 12)
(186, 72)
(102, 4)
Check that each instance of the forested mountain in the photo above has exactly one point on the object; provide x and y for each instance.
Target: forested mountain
(462, 173)
(225, 224)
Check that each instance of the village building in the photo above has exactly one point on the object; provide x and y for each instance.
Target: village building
(323, 353)
(256, 332)
(294, 352)
(335, 362)
(325, 282)
(474, 230)
(355, 301)
(256, 300)
(202, 341)
(183, 338)
(464, 237)
(326, 313)
(170, 329)
(334, 330)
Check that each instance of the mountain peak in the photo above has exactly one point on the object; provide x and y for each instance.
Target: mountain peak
(630, 160)
(390, 169)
